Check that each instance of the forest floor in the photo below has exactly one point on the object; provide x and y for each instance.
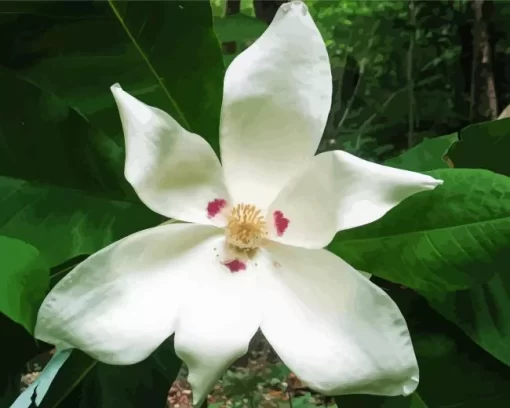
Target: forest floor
(257, 380)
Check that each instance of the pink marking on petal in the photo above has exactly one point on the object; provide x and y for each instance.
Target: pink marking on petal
(215, 206)
(280, 222)
(235, 266)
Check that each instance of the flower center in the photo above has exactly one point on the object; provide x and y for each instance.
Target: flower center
(246, 228)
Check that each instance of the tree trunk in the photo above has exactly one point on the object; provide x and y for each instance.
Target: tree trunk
(233, 7)
(483, 98)
(409, 73)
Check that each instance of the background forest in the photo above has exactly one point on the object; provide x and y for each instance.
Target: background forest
(403, 70)
(407, 74)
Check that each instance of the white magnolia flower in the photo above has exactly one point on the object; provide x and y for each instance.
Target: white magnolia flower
(250, 253)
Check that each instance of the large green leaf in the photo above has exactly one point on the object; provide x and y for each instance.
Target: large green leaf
(483, 312)
(426, 156)
(24, 280)
(74, 53)
(454, 372)
(483, 146)
(178, 45)
(43, 139)
(62, 223)
(451, 238)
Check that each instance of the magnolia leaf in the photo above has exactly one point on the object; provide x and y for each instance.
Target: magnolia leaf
(454, 372)
(483, 312)
(426, 156)
(451, 238)
(65, 149)
(62, 72)
(62, 223)
(24, 279)
(483, 146)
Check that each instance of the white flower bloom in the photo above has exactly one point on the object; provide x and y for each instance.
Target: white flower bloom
(250, 254)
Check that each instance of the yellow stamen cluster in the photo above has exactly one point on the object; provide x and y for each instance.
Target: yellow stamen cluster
(246, 227)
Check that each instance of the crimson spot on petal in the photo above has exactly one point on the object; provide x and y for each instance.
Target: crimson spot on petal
(281, 223)
(235, 266)
(215, 206)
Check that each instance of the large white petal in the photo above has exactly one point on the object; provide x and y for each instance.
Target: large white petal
(121, 303)
(216, 323)
(340, 191)
(277, 96)
(174, 172)
(336, 330)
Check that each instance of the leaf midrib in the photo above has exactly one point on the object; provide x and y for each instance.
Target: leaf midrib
(184, 122)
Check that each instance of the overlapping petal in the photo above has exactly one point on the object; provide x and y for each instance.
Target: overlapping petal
(122, 302)
(340, 191)
(217, 322)
(277, 97)
(174, 172)
(334, 329)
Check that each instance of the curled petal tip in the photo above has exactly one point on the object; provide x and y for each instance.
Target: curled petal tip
(116, 87)
(436, 182)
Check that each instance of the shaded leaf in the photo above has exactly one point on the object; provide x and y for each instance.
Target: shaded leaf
(44, 139)
(483, 312)
(454, 371)
(483, 146)
(373, 401)
(75, 52)
(83, 382)
(174, 39)
(24, 279)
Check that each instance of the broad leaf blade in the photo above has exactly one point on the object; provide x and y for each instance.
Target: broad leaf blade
(451, 238)
(44, 139)
(63, 223)
(483, 146)
(483, 312)
(454, 372)
(178, 45)
(426, 156)
(70, 55)
(24, 279)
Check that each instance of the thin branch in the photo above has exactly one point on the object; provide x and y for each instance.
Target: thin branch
(353, 96)
(410, 80)
(373, 116)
